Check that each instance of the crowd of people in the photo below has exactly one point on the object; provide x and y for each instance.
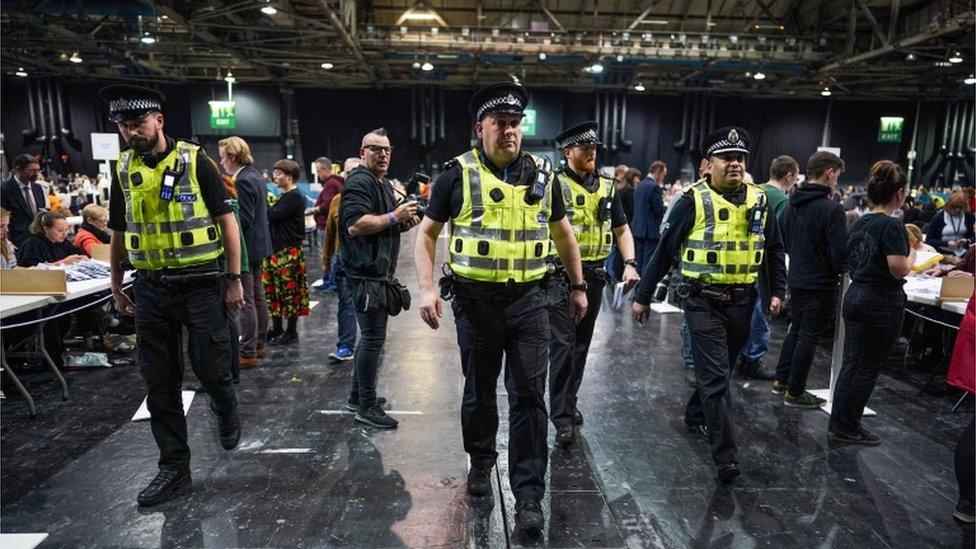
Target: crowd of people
(531, 248)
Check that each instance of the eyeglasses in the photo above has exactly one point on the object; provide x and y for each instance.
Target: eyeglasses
(377, 149)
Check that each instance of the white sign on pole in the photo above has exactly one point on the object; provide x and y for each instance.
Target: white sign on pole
(105, 146)
(835, 150)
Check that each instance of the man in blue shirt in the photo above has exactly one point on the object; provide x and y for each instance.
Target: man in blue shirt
(648, 212)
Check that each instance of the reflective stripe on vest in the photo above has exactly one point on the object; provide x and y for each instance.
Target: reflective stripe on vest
(594, 237)
(160, 233)
(720, 249)
(497, 236)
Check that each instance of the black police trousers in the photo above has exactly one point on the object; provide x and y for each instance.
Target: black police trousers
(162, 310)
(569, 345)
(517, 331)
(719, 330)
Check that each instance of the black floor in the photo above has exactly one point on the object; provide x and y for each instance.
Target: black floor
(308, 476)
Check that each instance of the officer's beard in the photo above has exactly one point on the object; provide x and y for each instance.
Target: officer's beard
(144, 146)
(584, 165)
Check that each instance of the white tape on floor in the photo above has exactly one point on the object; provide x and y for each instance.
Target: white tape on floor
(664, 308)
(287, 451)
(390, 412)
(143, 411)
(21, 541)
(312, 304)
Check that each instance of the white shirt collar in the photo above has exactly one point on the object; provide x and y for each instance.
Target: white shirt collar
(237, 172)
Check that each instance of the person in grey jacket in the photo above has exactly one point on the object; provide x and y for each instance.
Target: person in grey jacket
(236, 159)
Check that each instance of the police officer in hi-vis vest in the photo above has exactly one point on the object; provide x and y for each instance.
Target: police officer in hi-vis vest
(596, 214)
(172, 221)
(504, 208)
(724, 238)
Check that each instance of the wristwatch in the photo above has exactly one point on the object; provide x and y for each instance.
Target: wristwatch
(232, 276)
(577, 287)
(631, 262)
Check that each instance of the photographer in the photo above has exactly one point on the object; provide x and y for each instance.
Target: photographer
(370, 223)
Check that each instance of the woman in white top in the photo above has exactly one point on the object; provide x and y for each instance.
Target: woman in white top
(8, 257)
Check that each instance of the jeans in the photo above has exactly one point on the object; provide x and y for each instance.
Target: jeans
(686, 344)
(644, 248)
(372, 323)
(162, 310)
(516, 333)
(718, 333)
(872, 321)
(758, 342)
(254, 315)
(346, 312)
(812, 311)
(569, 345)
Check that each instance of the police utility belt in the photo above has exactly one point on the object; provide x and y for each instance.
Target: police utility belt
(452, 285)
(209, 271)
(724, 293)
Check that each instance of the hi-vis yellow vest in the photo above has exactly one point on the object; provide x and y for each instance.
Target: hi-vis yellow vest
(497, 237)
(720, 248)
(160, 233)
(595, 237)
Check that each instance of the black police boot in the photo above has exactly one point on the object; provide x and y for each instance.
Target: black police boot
(699, 429)
(728, 472)
(230, 430)
(168, 484)
(528, 516)
(479, 481)
(565, 435)
(577, 418)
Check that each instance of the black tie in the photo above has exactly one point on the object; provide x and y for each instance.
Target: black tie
(28, 195)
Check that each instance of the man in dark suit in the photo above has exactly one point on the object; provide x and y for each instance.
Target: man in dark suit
(22, 197)
(648, 211)
(236, 159)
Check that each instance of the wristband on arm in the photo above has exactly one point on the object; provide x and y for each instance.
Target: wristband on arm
(391, 218)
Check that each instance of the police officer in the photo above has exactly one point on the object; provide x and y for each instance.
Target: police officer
(727, 239)
(504, 208)
(172, 220)
(596, 214)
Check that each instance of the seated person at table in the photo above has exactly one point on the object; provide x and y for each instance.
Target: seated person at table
(93, 228)
(8, 259)
(47, 243)
(951, 230)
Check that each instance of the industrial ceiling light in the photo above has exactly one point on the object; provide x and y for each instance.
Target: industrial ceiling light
(660, 22)
(268, 9)
(620, 59)
(427, 66)
(825, 92)
(327, 65)
(968, 81)
(147, 38)
(416, 65)
(759, 75)
(23, 74)
(910, 57)
(639, 87)
(542, 56)
(230, 78)
(956, 57)
(595, 68)
(75, 58)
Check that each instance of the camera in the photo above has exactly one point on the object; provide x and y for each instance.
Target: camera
(413, 193)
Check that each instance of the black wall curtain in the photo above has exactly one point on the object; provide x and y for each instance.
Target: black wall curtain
(333, 122)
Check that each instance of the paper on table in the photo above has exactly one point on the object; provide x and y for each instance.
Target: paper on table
(143, 411)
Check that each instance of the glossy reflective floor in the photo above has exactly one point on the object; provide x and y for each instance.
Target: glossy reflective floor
(306, 475)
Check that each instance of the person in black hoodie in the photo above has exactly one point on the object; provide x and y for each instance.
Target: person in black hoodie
(815, 234)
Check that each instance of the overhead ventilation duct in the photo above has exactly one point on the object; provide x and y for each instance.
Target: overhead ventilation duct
(611, 112)
(953, 159)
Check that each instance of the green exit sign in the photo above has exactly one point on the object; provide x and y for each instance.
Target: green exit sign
(528, 123)
(890, 129)
(222, 115)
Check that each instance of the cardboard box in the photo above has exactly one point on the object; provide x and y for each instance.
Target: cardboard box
(33, 282)
(956, 288)
(102, 252)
